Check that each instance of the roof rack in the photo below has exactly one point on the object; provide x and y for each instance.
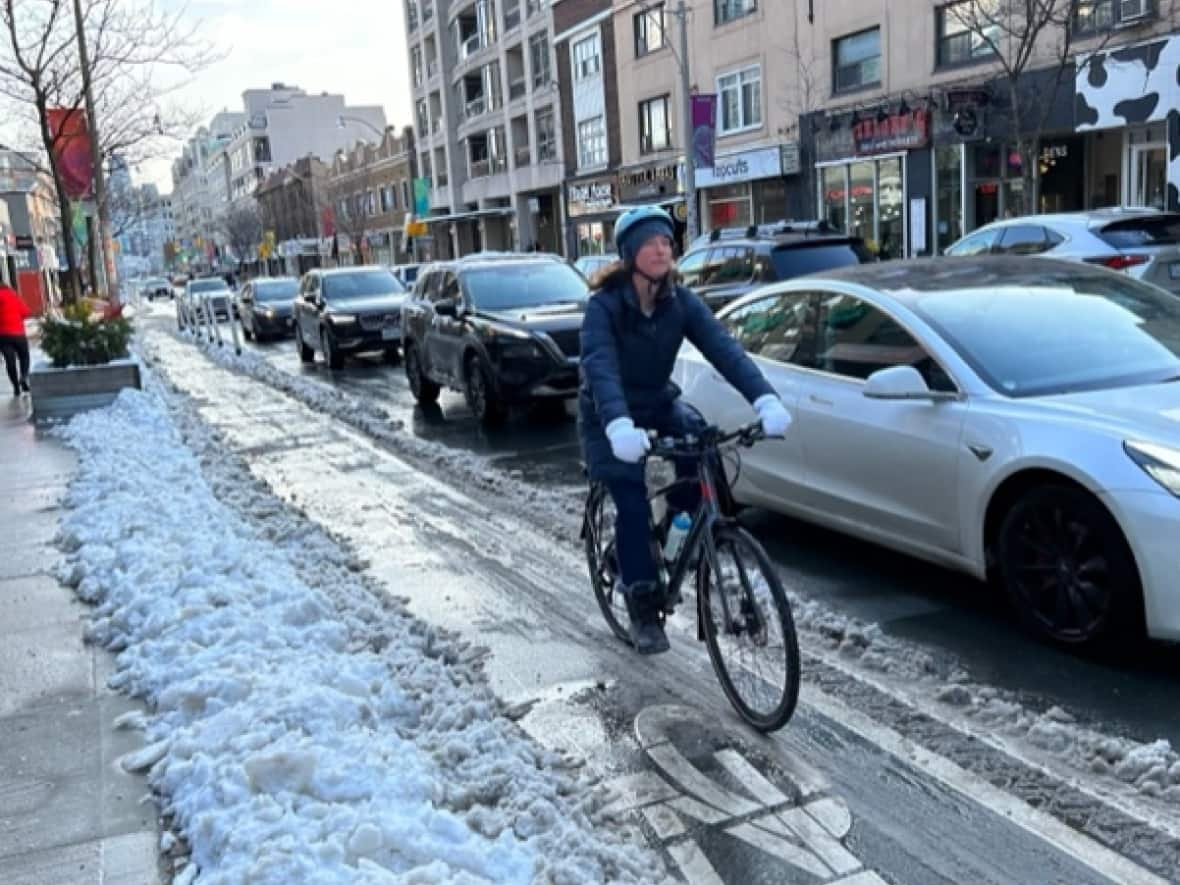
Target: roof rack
(771, 229)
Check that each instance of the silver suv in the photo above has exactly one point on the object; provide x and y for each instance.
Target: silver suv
(1145, 243)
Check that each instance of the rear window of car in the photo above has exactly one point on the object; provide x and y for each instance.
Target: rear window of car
(1136, 233)
(208, 286)
(279, 290)
(805, 258)
(360, 284)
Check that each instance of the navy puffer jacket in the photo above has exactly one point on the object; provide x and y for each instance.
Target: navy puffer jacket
(627, 362)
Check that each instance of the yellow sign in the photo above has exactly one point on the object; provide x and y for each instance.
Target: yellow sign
(682, 212)
(415, 228)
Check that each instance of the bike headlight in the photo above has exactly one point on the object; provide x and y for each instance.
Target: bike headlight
(1161, 463)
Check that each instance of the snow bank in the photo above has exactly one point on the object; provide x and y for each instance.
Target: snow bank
(304, 727)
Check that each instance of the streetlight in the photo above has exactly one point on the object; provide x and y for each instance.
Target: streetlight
(342, 120)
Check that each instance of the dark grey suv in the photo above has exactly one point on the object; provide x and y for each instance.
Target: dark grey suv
(726, 263)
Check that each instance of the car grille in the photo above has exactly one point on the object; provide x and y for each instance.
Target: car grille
(375, 322)
(569, 341)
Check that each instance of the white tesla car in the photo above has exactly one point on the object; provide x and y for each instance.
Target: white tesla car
(1014, 417)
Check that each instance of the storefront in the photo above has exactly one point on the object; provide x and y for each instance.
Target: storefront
(863, 177)
(590, 208)
(1124, 99)
(743, 188)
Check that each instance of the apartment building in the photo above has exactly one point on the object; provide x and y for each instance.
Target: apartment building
(199, 181)
(487, 122)
(370, 189)
(891, 118)
(296, 213)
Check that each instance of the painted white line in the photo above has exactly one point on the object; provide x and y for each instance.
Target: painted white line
(776, 846)
(818, 840)
(693, 864)
(1118, 796)
(664, 821)
(1046, 827)
(866, 878)
(689, 777)
(833, 815)
(636, 790)
(706, 814)
(750, 777)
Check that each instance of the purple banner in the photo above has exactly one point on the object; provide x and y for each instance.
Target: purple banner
(704, 129)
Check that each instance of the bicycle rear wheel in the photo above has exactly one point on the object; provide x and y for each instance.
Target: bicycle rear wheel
(755, 655)
(599, 530)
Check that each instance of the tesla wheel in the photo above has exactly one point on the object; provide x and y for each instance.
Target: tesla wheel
(306, 354)
(1067, 567)
(481, 395)
(332, 356)
(425, 391)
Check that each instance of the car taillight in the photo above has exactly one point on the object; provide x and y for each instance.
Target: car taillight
(1120, 262)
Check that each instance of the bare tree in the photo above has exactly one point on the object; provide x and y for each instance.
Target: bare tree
(1039, 46)
(242, 226)
(801, 99)
(351, 196)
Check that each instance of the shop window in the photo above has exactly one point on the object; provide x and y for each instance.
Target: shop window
(890, 209)
(649, 30)
(740, 100)
(966, 31)
(860, 201)
(948, 174)
(856, 61)
(835, 193)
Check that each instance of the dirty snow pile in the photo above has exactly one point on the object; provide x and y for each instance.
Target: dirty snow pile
(562, 507)
(303, 728)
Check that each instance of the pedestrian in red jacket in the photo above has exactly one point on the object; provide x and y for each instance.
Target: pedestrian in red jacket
(14, 344)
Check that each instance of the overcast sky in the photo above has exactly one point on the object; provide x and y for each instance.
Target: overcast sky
(353, 47)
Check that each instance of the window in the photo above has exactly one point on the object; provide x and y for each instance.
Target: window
(546, 136)
(591, 143)
(416, 64)
(737, 266)
(539, 59)
(774, 328)
(855, 339)
(967, 31)
(420, 114)
(1100, 15)
(740, 99)
(587, 58)
(387, 199)
(1023, 239)
(856, 61)
(649, 31)
(979, 243)
(691, 266)
(728, 10)
(654, 132)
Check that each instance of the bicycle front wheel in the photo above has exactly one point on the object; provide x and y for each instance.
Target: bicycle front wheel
(599, 531)
(754, 650)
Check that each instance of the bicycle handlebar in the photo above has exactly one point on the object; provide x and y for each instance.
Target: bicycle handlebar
(709, 438)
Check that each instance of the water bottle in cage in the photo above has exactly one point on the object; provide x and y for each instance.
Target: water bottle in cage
(677, 534)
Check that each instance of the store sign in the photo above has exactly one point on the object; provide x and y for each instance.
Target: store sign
(746, 166)
(790, 158)
(649, 182)
(896, 132)
(590, 197)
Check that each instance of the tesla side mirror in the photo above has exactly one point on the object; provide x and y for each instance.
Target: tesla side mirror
(447, 308)
(902, 383)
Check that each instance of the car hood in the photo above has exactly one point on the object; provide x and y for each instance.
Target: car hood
(369, 304)
(542, 318)
(1148, 410)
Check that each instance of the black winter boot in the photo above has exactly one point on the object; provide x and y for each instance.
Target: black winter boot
(644, 604)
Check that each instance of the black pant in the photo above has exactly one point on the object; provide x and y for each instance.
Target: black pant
(15, 349)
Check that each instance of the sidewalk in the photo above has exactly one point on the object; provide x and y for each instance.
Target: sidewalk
(69, 814)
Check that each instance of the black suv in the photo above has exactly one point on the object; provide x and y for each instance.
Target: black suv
(498, 327)
(726, 263)
(348, 310)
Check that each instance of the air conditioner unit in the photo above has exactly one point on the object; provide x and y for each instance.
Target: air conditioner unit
(1132, 10)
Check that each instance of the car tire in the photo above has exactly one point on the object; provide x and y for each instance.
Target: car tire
(487, 406)
(391, 355)
(424, 390)
(1067, 568)
(332, 355)
(306, 354)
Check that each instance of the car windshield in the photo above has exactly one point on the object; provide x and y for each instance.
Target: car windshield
(1139, 233)
(525, 285)
(276, 290)
(1065, 333)
(208, 286)
(361, 284)
(797, 261)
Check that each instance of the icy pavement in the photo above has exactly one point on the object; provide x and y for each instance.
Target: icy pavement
(304, 727)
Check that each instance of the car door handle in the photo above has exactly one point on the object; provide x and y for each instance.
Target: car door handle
(820, 401)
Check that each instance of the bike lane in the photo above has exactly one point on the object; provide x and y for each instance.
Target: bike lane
(841, 795)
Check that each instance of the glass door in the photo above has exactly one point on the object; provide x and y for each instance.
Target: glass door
(1149, 175)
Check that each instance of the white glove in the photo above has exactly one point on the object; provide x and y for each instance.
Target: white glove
(628, 442)
(775, 419)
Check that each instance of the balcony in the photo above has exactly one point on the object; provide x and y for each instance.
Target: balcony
(522, 157)
(432, 69)
(517, 89)
(475, 108)
(471, 46)
(479, 169)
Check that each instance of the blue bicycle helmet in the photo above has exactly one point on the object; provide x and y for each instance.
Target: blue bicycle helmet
(636, 226)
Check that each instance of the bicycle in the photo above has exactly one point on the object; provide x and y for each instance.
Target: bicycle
(738, 619)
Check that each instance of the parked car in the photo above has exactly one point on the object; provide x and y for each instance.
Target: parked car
(155, 287)
(499, 328)
(1143, 242)
(348, 310)
(196, 292)
(588, 265)
(727, 263)
(1006, 417)
(266, 307)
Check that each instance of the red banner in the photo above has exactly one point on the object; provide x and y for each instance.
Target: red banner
(327, 222)
(71, 150)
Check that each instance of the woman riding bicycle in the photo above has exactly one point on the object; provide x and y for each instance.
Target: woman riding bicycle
(634, 326)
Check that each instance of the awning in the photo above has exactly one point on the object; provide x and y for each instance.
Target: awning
(500, 212)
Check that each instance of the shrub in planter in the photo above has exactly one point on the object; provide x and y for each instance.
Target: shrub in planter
(79, 338)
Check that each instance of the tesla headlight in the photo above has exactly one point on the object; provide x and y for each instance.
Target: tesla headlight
(1161, 463)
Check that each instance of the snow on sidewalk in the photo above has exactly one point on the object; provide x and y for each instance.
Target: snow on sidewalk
(305, 728)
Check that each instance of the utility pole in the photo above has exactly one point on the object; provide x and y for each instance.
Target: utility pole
(104, 221)
(690, 166)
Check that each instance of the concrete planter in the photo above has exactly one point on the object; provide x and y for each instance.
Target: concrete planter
(59, 393)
